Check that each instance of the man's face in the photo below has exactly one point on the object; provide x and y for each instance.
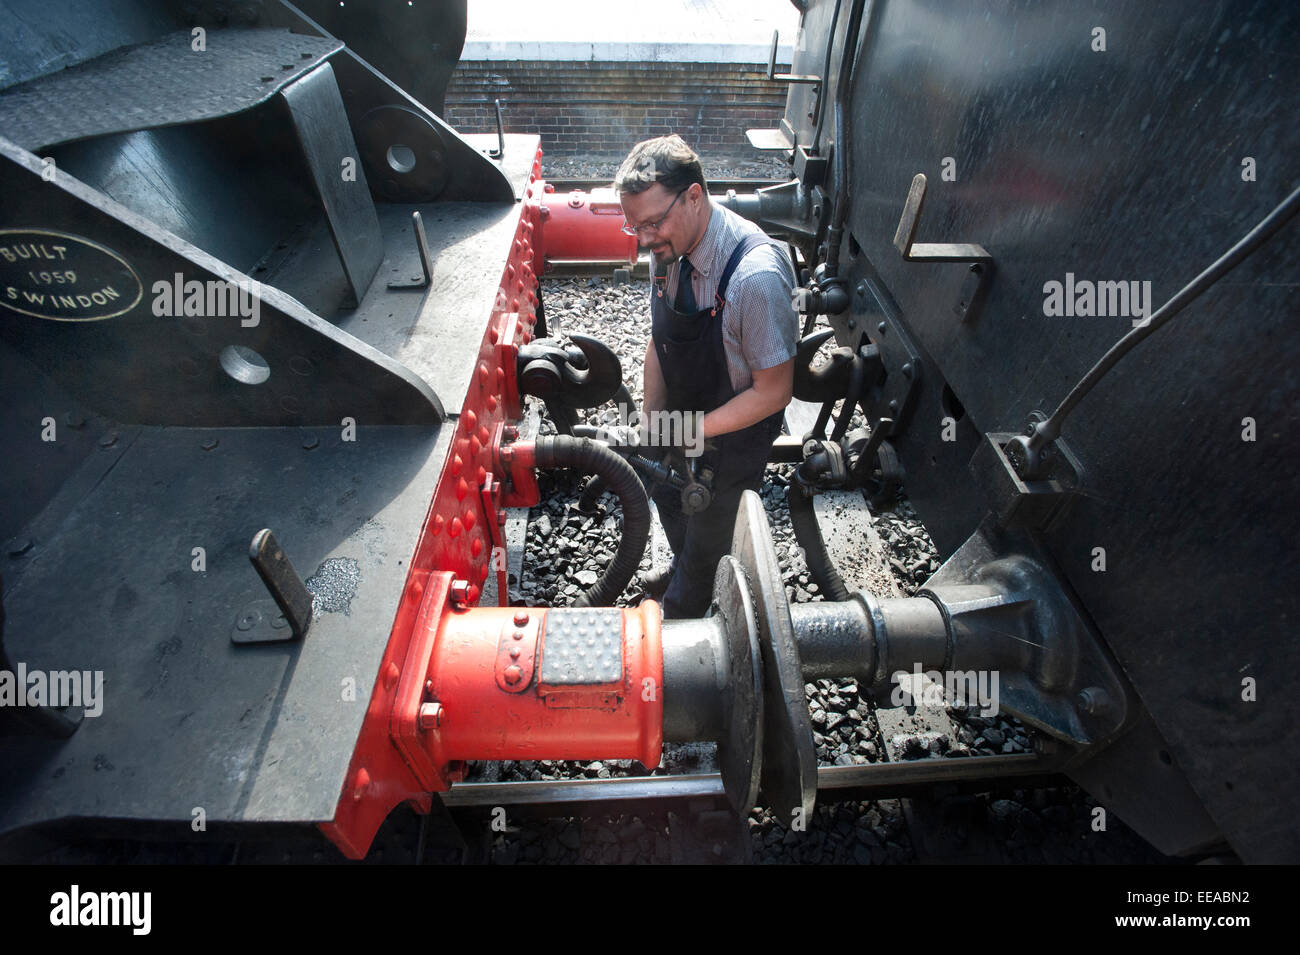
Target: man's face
(679, 229)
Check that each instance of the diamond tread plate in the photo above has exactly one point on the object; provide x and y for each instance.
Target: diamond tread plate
(582, 647)
(163, 83)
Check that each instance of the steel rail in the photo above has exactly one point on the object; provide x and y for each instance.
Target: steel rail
(879, 779)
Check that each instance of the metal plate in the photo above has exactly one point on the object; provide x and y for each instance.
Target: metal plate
(321, 123)
(789, 780)
(163, 83)
(469, 243)
(582, 648)
(740, 752)
(150, 367)
(248, 733)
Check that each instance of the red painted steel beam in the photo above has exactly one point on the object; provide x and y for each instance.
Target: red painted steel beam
(460, 682)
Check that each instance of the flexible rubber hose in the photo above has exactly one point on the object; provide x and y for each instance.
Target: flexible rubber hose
(592, 457)
(809, 535)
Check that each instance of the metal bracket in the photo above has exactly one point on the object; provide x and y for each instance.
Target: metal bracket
(321, 125)
(773, 75)
(290, 593)
(930, 251)
(501, 135)
(517, 652)
(981, 262)
(490, 493)
(426, 258)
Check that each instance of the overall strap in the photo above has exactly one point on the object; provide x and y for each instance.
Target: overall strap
(746, 245)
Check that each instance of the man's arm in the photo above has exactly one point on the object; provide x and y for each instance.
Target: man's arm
(771, 391)
(653, 389)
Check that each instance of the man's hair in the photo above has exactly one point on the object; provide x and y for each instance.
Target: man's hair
(666, 160)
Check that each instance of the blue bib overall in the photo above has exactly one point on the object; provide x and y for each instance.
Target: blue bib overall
(692, 357)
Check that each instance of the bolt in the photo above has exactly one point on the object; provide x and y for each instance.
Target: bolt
(907, 369)
(430, 716)
(248, 620)
(460, 591)
(882, 328)
(861, 288)
(209, 443)
(1094, 700)
(521, 619)
(514, 673)
(893, 406)
(428, 686)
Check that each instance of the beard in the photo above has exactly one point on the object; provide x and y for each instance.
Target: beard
(662, 253)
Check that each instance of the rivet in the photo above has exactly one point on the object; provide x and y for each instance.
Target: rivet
(311, 442)
(456, 527)
(514, 673)
(456, 464)
(514, 653)
(360, 783)
(462, 488)
(882, 327)
(471, 420)
(470, 520)
(391, 673)
(521, 619)
(518, 635)
(438, 522)
(476, 547)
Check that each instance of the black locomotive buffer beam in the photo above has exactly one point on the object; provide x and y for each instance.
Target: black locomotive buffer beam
(981, 261)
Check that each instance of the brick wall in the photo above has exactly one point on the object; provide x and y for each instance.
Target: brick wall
(602, 108)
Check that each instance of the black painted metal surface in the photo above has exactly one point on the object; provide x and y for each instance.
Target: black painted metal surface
(1140, 162)
(189, 718)
(149, 442)
(165, 82)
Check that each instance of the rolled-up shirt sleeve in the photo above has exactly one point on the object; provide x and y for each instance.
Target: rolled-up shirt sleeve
(760, 324)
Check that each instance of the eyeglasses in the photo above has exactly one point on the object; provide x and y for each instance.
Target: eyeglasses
(630, 229)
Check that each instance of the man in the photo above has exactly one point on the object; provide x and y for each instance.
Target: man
(723, 340)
